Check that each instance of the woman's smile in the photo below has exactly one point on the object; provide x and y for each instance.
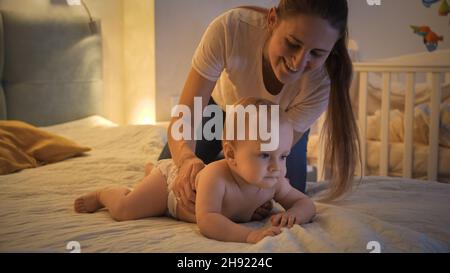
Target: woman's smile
(289, 68)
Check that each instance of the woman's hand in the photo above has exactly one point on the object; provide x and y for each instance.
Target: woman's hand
(184, 184)
(259, 234)
(284, 219)
(263, 211)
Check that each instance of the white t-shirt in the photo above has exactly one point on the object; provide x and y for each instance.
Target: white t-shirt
(230, 53)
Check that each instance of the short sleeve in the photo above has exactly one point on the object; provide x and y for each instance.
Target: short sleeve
(310, 103)
(210, 55)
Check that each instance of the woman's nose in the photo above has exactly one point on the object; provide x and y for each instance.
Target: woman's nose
(300, 60)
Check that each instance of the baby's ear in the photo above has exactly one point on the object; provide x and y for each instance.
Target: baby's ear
(229, 153)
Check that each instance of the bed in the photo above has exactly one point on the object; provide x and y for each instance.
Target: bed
(382, 214)
(37, 213)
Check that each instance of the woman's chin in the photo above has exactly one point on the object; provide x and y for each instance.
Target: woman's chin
(286, 78)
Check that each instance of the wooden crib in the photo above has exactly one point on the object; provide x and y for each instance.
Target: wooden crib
(435, 75)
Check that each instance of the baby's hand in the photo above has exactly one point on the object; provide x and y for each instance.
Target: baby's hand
(283, 219)
(259, 234)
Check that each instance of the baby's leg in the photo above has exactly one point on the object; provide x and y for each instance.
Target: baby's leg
(149, 198)
(90, 202)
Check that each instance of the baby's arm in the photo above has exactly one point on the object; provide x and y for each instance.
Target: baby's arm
(299, 208)
(210, 220)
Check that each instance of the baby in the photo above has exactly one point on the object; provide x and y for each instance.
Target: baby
(228, 191)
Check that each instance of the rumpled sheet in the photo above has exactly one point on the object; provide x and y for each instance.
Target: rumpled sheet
(36, 215)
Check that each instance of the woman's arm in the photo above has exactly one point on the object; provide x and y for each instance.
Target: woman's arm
(183, 150)
(195, 86)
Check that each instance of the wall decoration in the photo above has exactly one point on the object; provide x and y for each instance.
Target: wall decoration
(428, 3)
(430, 38)
(444, 9)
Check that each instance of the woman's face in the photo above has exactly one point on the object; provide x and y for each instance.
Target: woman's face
(298, 44)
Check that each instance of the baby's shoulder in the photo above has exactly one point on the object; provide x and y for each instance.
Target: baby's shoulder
(216, 167)
(214, 172)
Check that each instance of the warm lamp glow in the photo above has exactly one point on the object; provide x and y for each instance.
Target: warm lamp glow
(143, 113)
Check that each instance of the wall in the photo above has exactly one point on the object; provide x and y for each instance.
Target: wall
(383, 31)
(148, 44)
(110, 13)
(129, 58)
(179, 28)
(139, 58)
(128, 52)
(380, 31)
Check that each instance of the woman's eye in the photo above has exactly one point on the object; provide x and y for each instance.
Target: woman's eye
(264, 156)
(315, 54)
(292, 45)
(283, 157)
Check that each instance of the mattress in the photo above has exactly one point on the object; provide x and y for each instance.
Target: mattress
(399, 215)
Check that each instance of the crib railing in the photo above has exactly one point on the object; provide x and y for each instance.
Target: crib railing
(435, 75)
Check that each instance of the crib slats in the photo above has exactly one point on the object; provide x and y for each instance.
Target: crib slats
(447, 77)
(362, 117)
(409, 125)
(385, 109)
(433, 155)
(434, 74)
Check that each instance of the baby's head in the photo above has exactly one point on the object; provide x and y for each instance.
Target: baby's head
(250, 156)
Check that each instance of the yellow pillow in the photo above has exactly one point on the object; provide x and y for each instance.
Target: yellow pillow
(25, 146)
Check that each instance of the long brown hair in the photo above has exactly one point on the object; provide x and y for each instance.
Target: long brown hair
(340, 132)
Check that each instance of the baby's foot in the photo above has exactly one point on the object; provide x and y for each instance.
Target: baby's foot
(88, 203)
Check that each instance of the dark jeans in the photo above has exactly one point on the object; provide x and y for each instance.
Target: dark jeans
(209, 151)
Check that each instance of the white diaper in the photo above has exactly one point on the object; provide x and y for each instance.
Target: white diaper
(170, 171)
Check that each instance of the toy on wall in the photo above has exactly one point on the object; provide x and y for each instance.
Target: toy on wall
(428, 3)
(444, 9)
(430, 38)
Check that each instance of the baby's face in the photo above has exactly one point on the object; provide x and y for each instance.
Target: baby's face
(263, 169)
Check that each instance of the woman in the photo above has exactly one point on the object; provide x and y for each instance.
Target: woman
(294, 55)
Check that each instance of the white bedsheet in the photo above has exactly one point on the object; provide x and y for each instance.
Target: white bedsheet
(37, 216)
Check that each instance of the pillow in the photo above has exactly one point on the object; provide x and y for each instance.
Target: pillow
(25, 146)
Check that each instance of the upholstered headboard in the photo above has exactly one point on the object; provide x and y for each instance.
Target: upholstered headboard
(50, 68)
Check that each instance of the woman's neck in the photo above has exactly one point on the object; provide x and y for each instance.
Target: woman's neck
(271, 83)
